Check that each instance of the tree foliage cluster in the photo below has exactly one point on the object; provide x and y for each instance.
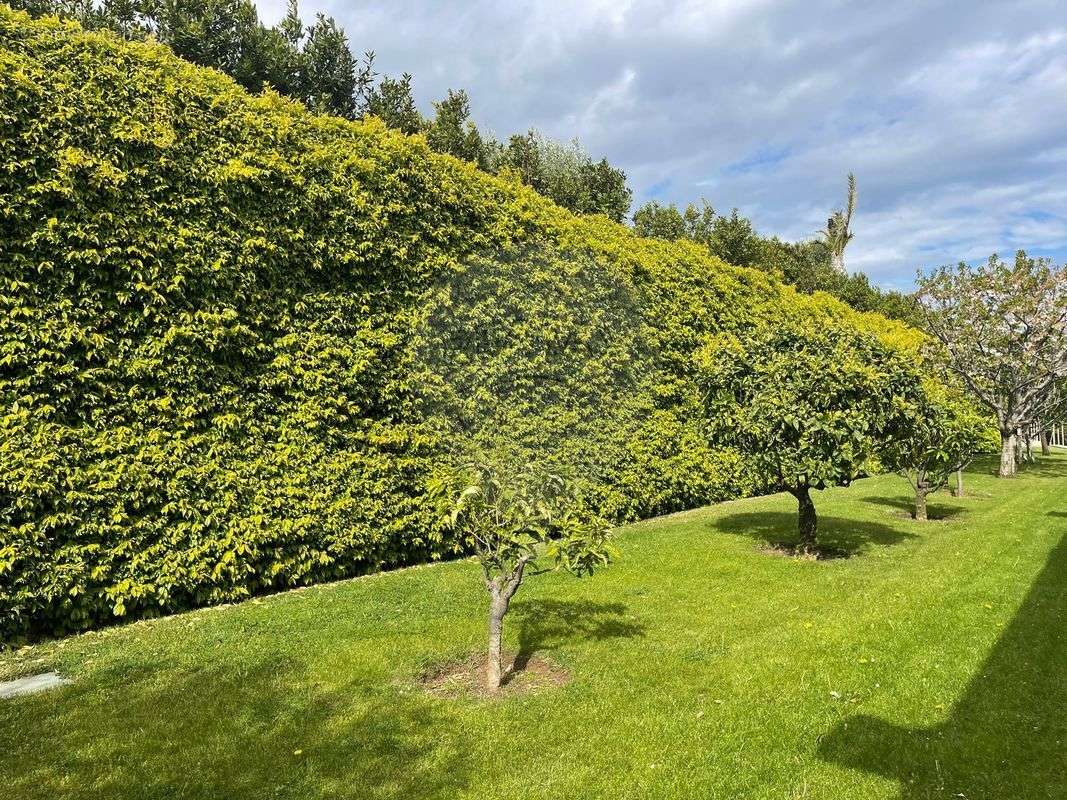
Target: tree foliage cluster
(315, 65)
(806, 265)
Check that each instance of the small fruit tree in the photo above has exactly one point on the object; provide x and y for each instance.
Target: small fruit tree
(807, 399)
(945, 431)
(511, 517)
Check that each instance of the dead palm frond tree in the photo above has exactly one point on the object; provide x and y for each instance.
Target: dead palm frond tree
(838, 232)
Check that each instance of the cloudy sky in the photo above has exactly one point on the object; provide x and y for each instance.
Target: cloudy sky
(952, 115)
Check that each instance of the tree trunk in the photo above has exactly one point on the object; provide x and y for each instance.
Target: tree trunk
(498, 607)
(837, 262)
(921, 490)
(1046, 450)
(501, 589)
(1028, 442)
(1007, 454)
(957, 490)
(807, 522)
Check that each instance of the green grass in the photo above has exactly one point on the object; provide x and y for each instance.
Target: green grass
(931, 664)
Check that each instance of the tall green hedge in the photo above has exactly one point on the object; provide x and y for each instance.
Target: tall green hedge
(236, 338)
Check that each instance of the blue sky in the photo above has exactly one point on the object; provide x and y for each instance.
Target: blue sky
(952, 115)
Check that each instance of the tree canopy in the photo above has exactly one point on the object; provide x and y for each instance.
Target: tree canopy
(810, 400)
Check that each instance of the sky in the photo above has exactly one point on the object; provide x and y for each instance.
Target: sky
(952, 115)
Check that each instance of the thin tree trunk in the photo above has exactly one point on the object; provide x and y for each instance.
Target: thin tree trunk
(807, 521)
(1007, 454)
(957, 490)
(1045, 449)
(501, 590)
(498, 607)
(921, 490)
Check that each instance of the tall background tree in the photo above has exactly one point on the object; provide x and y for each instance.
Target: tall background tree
(838, 231)
(1003, 327)
(805, 265)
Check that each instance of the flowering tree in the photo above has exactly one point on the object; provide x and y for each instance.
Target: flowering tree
(1004, 331)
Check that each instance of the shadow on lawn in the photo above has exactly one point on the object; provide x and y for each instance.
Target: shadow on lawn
(550, 623)
(1044, 467)
(836, 534)
(1006, 737)
(244, 731)
(936, 509)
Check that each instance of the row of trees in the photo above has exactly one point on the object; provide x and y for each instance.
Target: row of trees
(811, 399)
(315, 65)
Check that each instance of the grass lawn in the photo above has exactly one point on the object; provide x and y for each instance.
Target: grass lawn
(933, 663)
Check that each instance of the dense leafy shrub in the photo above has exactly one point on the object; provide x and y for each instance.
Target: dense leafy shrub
(236, 338)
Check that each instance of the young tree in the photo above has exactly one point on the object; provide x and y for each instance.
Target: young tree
(510, 517)
(1004, 331)
(808, 400)
(838, 232)
(944, 431)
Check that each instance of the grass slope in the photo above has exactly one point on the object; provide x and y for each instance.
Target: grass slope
(929, 665)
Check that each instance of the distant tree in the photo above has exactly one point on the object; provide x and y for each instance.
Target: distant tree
(566, 174)
(509, 517)
(807, 400)
(734, 240)
(606, 190)
(731, 238)
(391, 101)
(331, 79)
(655, 221)
(1004, 331)
(944, 432)
(452, 132)
(838, 232)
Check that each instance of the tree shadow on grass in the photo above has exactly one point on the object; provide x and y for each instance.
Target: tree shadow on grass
(1007, 735)
(239, 731)
(837, 535)
(1044, 467)
(935, 509)
(550, 623)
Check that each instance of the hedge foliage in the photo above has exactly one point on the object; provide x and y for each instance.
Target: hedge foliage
(237, 338)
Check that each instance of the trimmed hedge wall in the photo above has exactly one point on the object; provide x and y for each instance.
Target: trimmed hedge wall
(236, 337)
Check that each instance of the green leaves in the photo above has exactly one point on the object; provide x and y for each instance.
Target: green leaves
(508, 512)
(808, 398)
